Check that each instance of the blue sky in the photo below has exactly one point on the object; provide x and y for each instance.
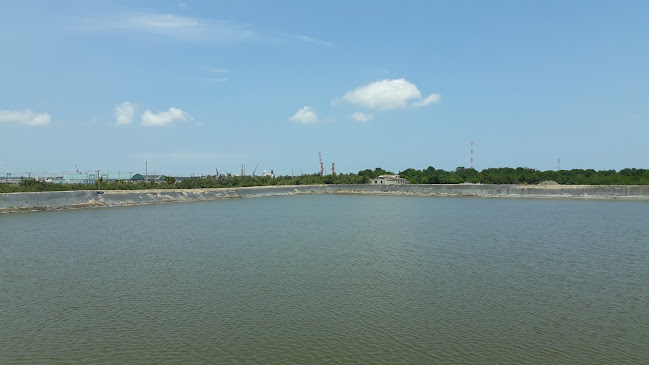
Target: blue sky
(191, 86)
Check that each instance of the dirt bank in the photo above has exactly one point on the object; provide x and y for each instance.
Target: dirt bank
(12, 202)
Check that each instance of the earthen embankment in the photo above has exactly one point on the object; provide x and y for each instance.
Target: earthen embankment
(627, 192)
(10, 202)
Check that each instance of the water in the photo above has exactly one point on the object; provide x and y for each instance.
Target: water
(328, 279)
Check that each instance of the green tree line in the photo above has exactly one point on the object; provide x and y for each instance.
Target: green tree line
(221, 181)
(430, 175)
(523, 175)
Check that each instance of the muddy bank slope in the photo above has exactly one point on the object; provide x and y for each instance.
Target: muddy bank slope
(626, 192)
(96, 198)
(52, 200)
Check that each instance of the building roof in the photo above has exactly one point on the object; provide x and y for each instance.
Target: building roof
(87, 176)
(93, 176)
(118, 176)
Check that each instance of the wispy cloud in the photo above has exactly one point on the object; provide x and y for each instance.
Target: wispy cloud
(305, 115)
(125, 113)
(162, 118)
(186, 156)
(308, 39)
(432, 99)
(218, 79)
(173, 26)
(362, 117)
(221, 74)
(187, 28)
(24, 117)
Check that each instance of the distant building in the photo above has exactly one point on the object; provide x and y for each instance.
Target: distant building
(85, 178)
(90, 178)
(389, 180)
(120, 176)
(11, 180)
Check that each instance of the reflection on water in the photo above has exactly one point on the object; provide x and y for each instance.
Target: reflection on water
(329, 279)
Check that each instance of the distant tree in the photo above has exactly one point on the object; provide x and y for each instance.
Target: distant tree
(366, 173)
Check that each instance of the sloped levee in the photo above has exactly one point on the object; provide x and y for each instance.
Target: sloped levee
(53, 200)
(628, 192)
(45, 200)
(10, 202)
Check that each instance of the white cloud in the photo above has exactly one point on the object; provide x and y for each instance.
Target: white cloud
(362, 117)
(305, 115)
(387, 94)
(163, 118)
(175, 26)
(125, 113)
(186, 156)
(218, 71)
(432, 99)
(24, 117)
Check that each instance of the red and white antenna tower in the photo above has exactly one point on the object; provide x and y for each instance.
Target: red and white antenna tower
(471, 154)
(321, 165)
(333, 168)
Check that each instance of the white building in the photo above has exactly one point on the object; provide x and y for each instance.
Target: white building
(389, 180)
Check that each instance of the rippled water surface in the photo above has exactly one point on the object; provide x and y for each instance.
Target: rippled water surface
(328, 279)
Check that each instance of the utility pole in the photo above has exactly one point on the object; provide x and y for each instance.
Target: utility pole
(146, 170)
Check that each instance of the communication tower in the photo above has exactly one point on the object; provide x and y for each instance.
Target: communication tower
(471, 154)
(321, 165)
(333, 168)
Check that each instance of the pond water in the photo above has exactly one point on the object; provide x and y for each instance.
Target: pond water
(328, 279)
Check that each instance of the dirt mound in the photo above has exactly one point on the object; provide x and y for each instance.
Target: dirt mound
(548, 182)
